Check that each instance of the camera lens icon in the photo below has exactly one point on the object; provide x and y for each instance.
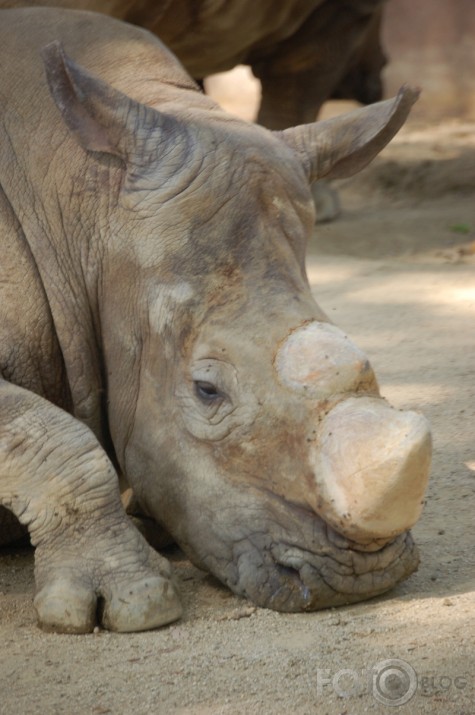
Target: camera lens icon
(394, 682)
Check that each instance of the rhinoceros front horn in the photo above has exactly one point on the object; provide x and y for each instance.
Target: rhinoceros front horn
(342, 146)
(371, 469)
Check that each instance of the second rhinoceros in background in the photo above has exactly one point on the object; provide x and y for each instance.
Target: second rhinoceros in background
(303, 53)
(155, 314)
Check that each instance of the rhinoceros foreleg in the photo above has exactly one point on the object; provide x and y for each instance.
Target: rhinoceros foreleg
(59, 482)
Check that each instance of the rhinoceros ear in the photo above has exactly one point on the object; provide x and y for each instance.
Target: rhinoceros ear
(96, 114)
(340, 147)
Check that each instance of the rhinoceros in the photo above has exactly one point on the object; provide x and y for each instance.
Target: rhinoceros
(157, 323)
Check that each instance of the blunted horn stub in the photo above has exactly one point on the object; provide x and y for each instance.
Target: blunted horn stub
(340, 147)
(371, 469)
(319, 361)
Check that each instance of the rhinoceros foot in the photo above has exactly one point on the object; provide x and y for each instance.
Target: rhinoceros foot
(124, 592)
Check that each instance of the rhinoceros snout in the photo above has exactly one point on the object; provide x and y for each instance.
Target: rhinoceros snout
(371, 469)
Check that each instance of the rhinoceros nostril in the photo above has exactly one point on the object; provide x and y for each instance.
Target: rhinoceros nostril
(289, 586)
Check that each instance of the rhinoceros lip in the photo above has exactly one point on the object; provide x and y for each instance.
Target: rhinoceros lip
(334, 537)
(344, 542)
(374, 556)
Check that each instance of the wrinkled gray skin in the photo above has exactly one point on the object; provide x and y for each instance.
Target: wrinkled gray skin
(304, 52)
(152, 265)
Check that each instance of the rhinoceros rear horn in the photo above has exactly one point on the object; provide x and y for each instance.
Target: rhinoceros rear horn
(342, 146)
(101, 118)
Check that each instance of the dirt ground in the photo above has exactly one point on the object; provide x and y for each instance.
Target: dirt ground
(397, 272)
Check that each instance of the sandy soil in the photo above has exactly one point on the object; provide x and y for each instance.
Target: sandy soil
(397, 273)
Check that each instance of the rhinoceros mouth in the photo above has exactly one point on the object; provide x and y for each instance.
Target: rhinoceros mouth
(287, 578)
(313, 567)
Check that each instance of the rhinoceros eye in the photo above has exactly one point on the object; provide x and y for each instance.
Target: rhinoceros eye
(207, 392)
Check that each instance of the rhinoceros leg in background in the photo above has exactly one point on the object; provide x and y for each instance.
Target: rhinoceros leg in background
(314, 65)
(335, 53)
(52, 467)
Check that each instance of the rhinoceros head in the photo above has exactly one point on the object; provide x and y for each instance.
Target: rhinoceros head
(248, 425)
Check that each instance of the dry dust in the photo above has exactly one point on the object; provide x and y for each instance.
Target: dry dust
(397, 273)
